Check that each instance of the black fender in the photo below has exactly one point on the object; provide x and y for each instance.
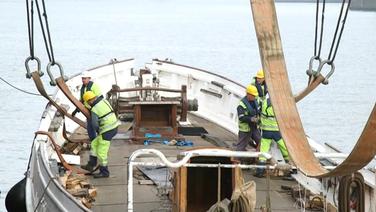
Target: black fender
(15, 199)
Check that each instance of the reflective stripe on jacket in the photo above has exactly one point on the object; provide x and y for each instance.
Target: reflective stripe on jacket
(268, 121)
(106, 115)
(249, 110)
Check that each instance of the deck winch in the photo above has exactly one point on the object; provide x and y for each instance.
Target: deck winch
(154, 109)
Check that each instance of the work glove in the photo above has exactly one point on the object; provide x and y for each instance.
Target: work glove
(75, 111)
(254, 119)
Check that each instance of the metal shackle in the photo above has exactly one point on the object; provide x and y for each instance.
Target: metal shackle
(52, 79)
(28, 72)
(310, 72)
(332, 68)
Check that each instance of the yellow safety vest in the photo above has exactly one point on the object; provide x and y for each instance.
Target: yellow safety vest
(107, 117)
(268, 121)
(244, 126)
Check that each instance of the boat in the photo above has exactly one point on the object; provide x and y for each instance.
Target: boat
(173, 151)
(45, 191)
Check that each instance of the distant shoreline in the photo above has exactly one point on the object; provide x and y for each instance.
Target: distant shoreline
(308, 1)
(360, 5)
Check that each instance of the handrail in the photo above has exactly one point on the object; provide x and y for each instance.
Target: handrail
(146, 88)
(184, 162)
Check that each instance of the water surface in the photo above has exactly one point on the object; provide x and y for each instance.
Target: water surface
(216, 35)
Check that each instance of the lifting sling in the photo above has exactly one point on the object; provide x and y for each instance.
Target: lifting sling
(64, 88)
(39, 84)
(284, 105)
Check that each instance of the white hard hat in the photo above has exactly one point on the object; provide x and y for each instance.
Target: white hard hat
(85, 74)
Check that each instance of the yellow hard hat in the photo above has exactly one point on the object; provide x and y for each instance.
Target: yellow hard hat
(260, 74)
(88, 95)
(251, 89)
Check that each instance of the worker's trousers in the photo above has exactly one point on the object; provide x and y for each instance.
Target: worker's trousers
(253, 138)
(266, 140)
(100, 146)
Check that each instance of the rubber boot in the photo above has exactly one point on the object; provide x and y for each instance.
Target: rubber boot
(260, 171)
(91, 164)
(103, 172)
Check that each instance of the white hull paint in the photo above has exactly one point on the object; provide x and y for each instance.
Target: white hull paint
(217, 97)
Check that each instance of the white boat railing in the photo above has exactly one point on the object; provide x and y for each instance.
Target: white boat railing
(184, 162)
(201, 152)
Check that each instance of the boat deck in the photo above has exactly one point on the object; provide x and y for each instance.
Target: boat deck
(112, 191)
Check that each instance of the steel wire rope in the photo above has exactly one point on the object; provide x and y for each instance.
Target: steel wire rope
(317, 54)
(316, 23)
(335, 42)
(335, 39)
(30, 25)
(45, 30)
(44, 25)
(19, 89)
(315, 78)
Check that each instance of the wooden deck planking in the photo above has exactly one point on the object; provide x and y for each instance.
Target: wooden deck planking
(112, 191)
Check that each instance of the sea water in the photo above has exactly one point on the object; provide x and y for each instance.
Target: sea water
(217, 35)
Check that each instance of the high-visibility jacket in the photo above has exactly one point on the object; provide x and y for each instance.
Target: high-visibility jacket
(106, 116)
(268, 121)
(248, 111)
(91, 86)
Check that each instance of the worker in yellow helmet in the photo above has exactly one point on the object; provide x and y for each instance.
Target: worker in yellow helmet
(259, 82)
(270, 132)
(248, 119)
(87, 85)
(105, 125)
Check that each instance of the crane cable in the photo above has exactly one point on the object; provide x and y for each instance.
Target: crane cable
(315, 78)
(45, 31)
(342, 17)
(315, 52)
(43, 21)
(335, 38)
(30, 26)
